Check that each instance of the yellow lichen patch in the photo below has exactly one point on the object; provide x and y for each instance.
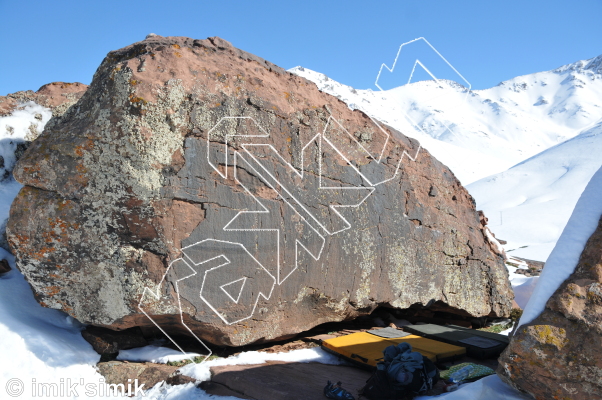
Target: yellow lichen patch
(136, 100)
(287, 95)
(115, 71)
(551, 335)
(133, 82)
(175, 46)
(178, 54)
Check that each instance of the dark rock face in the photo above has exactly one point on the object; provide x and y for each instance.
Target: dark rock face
(4, 267)
(106, 341)
(194, 177)
(557, 355)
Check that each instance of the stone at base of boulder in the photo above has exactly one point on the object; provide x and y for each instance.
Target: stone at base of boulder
(105, 340)
(149, 374)
(4, 267)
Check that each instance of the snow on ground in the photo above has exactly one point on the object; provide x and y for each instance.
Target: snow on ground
(565, 256)
(529, 204)
(37, 343)
(522, 285)
(40, 345)
(488, 388)
(154, 354)
(25, 123)
(201, 371)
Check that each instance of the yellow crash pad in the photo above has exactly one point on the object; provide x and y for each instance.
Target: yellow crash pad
(367, 349)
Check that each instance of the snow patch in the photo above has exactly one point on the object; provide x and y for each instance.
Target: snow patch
(565, 256)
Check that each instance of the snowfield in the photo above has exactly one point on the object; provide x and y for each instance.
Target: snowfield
(529, 204)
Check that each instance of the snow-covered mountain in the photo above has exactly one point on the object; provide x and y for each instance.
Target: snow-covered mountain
(530, 203)
(544, 130)
(497, 127)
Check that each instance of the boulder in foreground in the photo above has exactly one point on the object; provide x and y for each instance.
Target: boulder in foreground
(558, 354)
(205, 190)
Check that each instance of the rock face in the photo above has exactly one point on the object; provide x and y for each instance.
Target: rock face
(211, 191)
(557, 355)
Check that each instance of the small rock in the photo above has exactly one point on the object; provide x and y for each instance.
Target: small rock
(4, 267)
(149, 374)
(21, 147)
(433, 192)
(179, 379)
(107, 341)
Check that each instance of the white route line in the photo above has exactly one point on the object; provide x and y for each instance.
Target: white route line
(418, 62)
(267, 297)
(405, 153)
(157, 296)
(302, 176)
(225, 176)
(244, 280)
(237, 156)
(383, 65)
(316, 257)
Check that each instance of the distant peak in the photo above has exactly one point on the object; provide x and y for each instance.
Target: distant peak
(592, 64)
(595, 64)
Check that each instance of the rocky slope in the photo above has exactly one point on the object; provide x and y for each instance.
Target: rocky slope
(58, 96)
(203, 189)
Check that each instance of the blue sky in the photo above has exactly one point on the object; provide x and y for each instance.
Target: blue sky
(486, 41)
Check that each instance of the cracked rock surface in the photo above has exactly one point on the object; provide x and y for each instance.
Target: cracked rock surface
(195, 178)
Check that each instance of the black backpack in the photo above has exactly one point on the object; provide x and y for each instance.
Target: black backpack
(380, 387)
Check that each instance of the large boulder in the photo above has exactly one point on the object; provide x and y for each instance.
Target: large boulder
(210, 191)
(557, 355)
